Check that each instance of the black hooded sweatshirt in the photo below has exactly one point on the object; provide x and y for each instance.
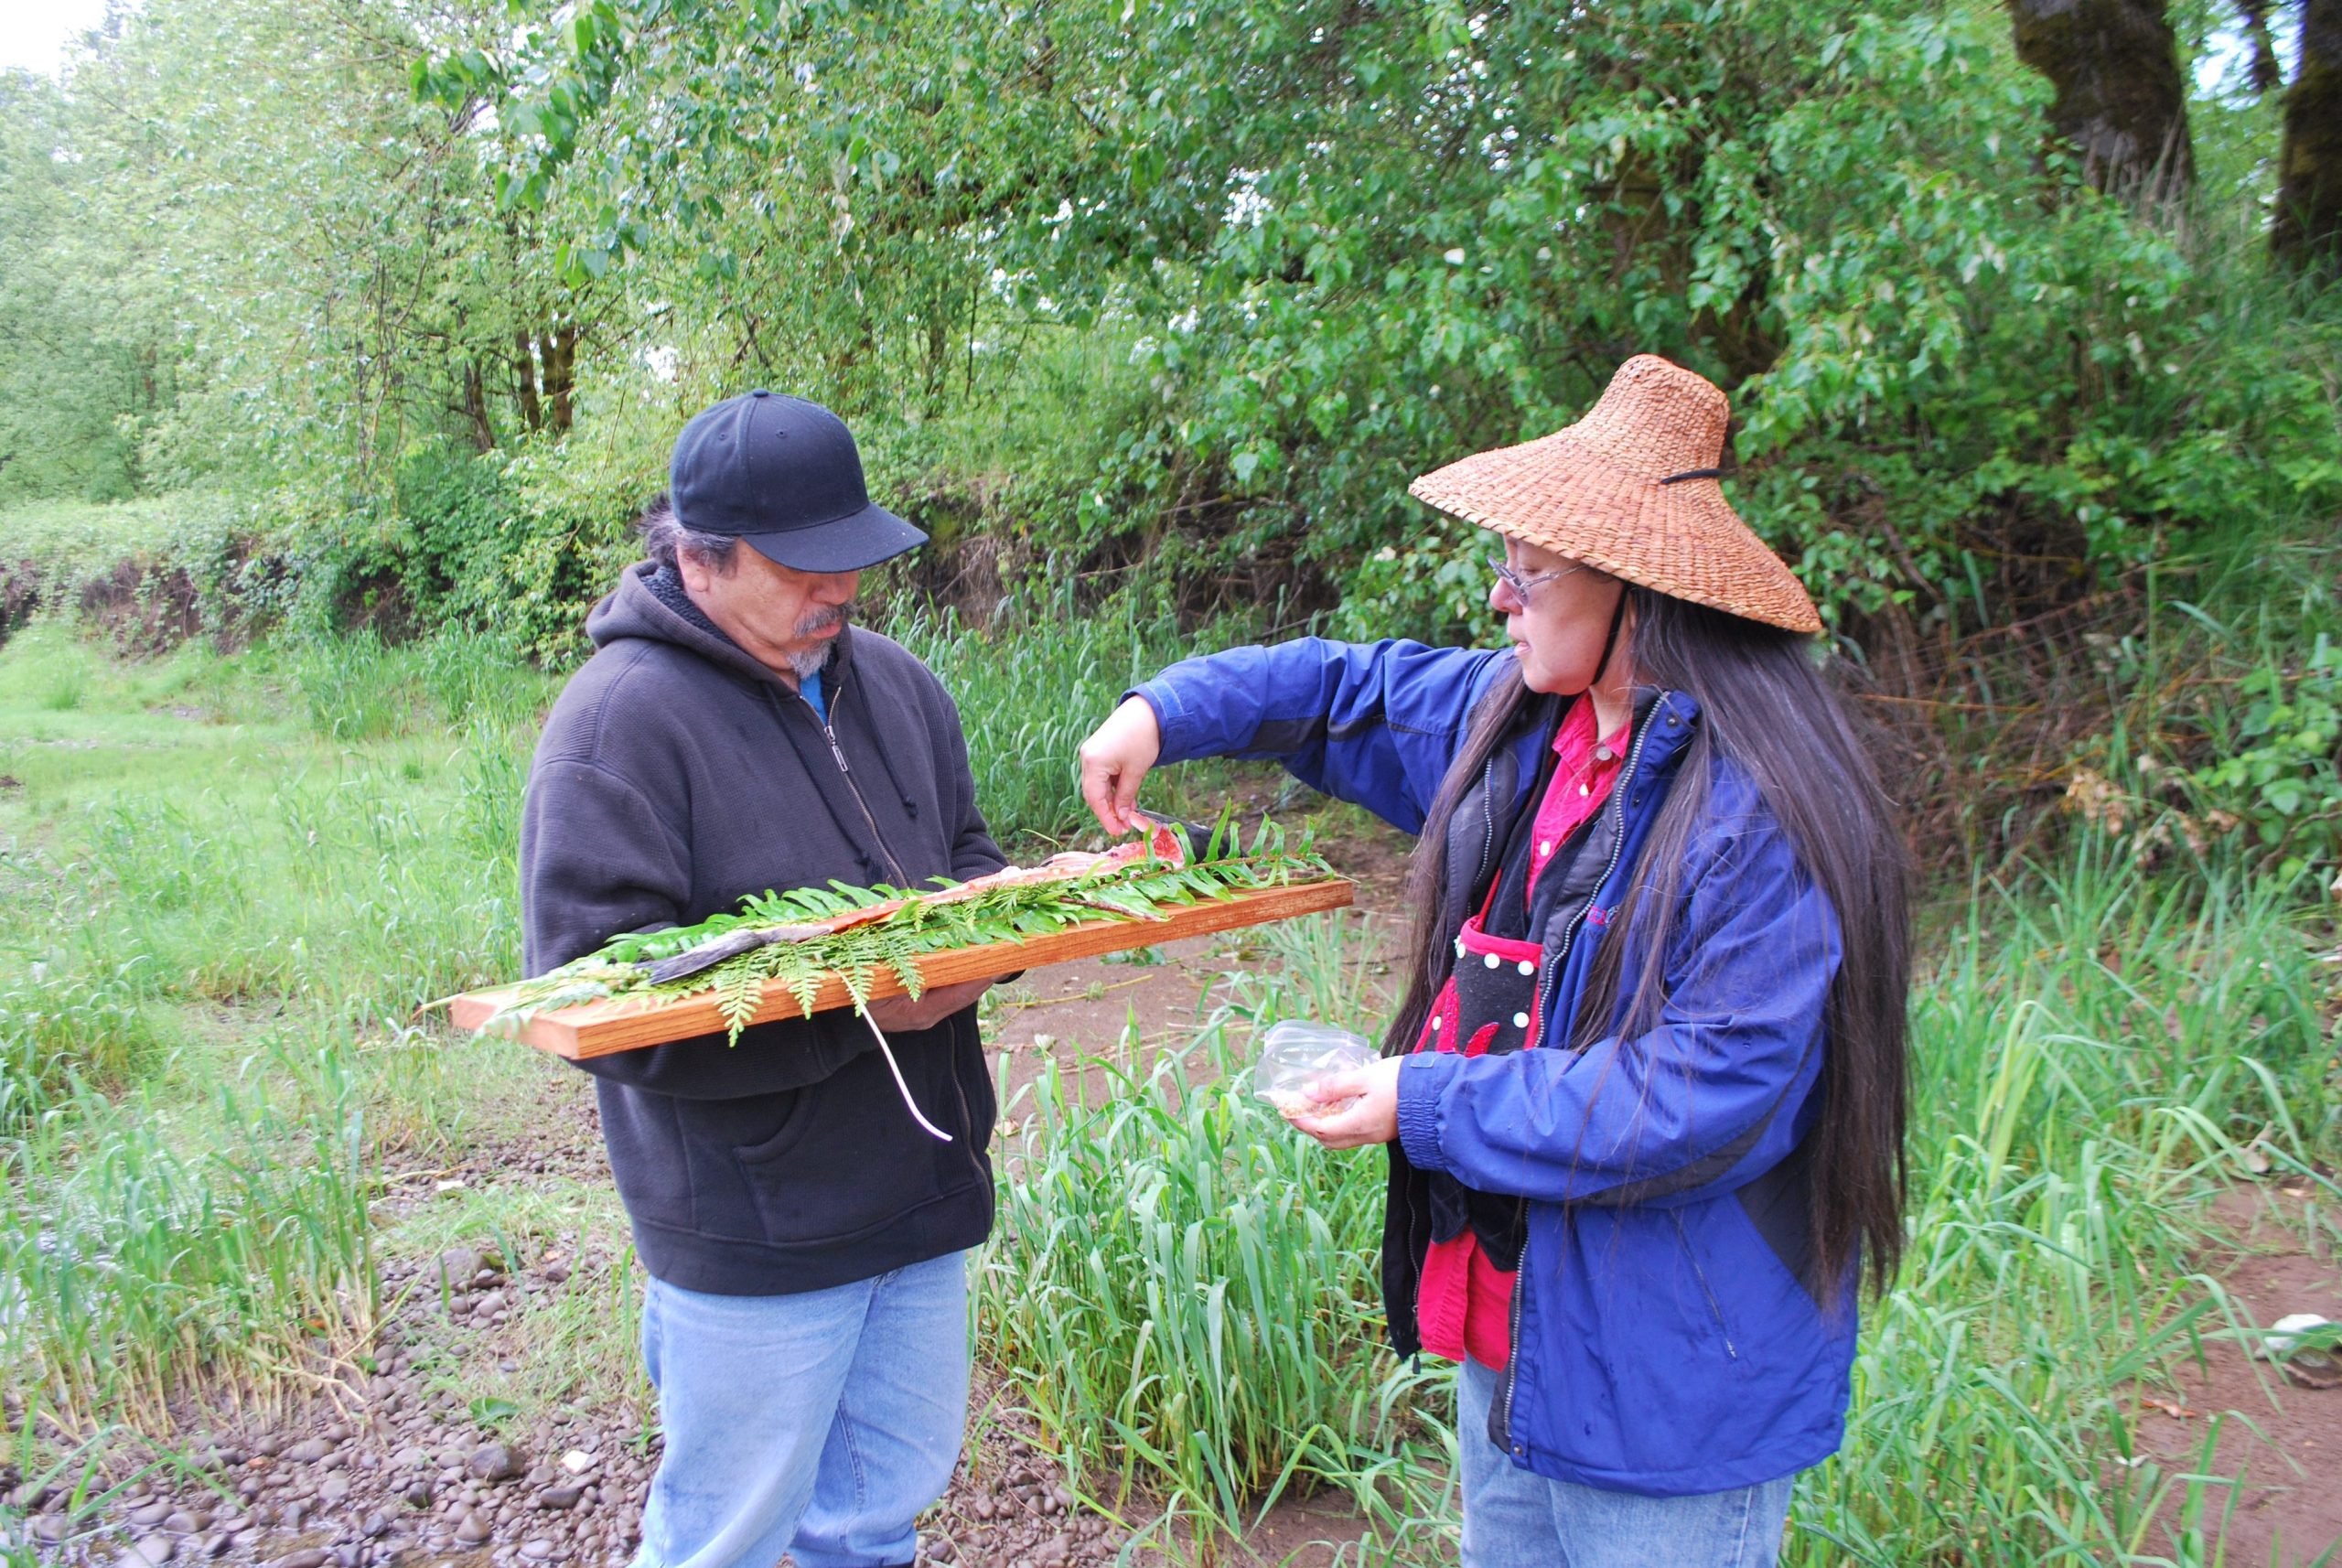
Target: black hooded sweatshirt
(677, 775)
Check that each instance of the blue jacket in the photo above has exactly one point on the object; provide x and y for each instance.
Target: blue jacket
(1663, 1342)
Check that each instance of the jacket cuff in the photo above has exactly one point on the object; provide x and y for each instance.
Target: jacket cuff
(1422, 1078)
(1170, 719)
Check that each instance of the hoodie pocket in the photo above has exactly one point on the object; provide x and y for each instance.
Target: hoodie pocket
(846, 1159)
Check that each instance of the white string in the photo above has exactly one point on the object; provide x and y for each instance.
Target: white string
(888, 1052)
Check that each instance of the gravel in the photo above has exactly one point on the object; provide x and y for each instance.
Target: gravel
(493, 1462)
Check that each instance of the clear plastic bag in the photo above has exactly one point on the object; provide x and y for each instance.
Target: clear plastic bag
(1295, 1055)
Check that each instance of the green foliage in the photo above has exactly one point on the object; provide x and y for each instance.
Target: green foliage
(479, 679)
(71, 382)
(510, 550)
(2225, 744)
(1843, 219)
(2279, 779)
(1104, 289)
(135, 569)
(873, 145)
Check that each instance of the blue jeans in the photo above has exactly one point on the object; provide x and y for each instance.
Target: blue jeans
(821, 1424)
(1516, 1518)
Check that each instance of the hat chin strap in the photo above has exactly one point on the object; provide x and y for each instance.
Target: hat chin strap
(1610, 641)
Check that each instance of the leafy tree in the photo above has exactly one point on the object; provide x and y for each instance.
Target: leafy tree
(829, 181)
(321, 252)
(1191, 291)
(74, 387)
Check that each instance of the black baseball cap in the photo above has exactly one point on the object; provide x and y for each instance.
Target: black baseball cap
(782, 474)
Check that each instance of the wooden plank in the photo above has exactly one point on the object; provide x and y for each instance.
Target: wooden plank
(597, 1028)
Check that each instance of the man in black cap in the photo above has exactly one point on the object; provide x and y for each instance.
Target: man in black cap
(806, 1320)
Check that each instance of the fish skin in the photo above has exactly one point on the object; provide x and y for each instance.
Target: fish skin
(707, 955)
(1161, 844)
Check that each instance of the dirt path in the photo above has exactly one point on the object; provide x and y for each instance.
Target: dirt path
(2280, 1444)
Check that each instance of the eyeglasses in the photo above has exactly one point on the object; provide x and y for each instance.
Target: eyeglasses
(1520, 585)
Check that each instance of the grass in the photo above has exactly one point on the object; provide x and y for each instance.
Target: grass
(1032, 687)
(133, 1256)
(219, 921)
(2093, 1052)
(1185, 1291)
(225, 883)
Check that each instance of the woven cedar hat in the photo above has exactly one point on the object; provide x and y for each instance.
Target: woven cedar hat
(1631, 490)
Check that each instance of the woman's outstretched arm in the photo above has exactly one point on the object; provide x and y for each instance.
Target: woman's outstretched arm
(1376, 723)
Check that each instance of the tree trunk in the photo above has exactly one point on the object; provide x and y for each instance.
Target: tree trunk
(561, 374)
(938, 350)
(476, 407)
(2120, 99)
(524, 380)
(2267, 74)
(2307, 231)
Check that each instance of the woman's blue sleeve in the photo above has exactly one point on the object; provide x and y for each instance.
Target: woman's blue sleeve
(1376, 723)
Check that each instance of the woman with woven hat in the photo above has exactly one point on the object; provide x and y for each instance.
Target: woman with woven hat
(1644, 1096)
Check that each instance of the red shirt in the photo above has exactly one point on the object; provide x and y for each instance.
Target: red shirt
(1464, 1303)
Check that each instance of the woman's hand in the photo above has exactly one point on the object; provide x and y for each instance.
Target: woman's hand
(1372, 1115)
(1115, 758)
(903, 1015)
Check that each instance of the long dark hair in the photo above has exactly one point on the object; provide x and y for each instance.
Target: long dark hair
(1768, 703)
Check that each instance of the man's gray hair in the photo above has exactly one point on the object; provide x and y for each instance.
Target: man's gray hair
(664, 538)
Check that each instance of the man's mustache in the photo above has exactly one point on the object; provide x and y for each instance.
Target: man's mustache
(816, 622)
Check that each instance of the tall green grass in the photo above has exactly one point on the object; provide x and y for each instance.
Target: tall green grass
(2093, 1053)
(1186, 1290)
(213, 937)
(358, 688)
(358, 876)
(350, 884)
(131, 1256)
(65, 1003)
(1032, 686)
